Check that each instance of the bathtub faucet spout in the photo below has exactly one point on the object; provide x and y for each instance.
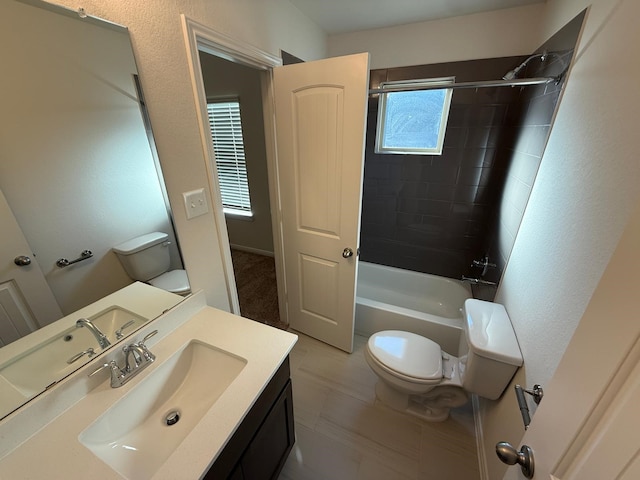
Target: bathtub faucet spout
(478, 281)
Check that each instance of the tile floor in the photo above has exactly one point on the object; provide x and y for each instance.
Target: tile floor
(342, 432)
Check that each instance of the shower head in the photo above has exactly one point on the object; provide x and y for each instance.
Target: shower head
(511, 74)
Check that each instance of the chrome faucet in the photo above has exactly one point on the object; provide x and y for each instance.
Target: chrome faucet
(140, 353)
(102, 339)
(141, 356)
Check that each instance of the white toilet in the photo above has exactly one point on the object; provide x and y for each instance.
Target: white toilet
(417, 377)
(146, 258)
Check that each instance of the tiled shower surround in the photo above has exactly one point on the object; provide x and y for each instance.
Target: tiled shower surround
(437, 213)
(431, 213)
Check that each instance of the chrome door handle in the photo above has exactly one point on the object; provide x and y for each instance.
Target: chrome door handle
(22, 260)
(347, 252)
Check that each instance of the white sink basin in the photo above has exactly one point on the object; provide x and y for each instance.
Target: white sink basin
(133, 437)
(40, 366)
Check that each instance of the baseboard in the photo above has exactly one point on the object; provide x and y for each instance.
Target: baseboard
(257, 251)
(482, 454)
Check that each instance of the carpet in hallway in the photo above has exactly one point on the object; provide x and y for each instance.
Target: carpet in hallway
(257, 288)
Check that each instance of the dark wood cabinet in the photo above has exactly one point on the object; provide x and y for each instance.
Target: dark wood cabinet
(262, 442)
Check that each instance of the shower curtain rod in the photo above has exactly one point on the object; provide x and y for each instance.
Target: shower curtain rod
(516, 82)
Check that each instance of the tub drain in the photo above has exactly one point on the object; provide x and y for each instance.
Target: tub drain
(172, 418)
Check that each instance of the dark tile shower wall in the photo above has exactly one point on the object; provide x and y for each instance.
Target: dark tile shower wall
(431, 213)
(527, 129)
(435, 214)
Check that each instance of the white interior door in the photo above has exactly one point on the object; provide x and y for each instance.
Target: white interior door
(26, 301)
(587, 426)
(612, 450)
(321, 116)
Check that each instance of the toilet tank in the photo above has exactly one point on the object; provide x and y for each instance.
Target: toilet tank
(145, 257)
(489, 351)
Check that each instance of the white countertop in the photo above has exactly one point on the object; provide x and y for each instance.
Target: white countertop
(54, 450)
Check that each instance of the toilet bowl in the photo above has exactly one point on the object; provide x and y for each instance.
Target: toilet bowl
(146, 258)
(417, 377)
(174, 281)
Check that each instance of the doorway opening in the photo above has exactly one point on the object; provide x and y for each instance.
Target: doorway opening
(315, 178)
(250, 234)
(251, 247)
(241, 166)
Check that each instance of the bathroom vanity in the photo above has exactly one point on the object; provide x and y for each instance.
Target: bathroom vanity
(262, 442)
(216, 403)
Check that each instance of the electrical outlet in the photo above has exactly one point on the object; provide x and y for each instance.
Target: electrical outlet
(195, 203)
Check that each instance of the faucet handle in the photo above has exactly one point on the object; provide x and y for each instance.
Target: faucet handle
(119, 333)
(149, 357)
(90, 352)
(147, 337)
(111, 365)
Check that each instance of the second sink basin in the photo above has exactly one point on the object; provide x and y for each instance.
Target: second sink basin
(141, 430)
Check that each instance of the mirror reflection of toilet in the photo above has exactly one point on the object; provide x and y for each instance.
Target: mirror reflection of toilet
(417, 377)
(146, 258)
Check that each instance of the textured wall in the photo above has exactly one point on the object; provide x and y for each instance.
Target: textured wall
(500, 33)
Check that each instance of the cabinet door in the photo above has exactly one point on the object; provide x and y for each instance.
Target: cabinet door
(271, 445)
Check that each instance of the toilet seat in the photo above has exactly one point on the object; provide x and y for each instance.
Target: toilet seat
(175, 281)
(407, 356)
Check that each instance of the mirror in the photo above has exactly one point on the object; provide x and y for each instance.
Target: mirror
(77, 173)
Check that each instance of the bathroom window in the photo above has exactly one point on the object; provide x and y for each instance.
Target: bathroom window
(413, 122)
(228, 145)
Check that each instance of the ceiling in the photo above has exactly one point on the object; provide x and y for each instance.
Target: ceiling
(340, 16)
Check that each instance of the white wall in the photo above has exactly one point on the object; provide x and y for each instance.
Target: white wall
(160, 51)
(500, 33)
(76, 166)
(583, 196)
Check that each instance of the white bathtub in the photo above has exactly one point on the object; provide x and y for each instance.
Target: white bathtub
(390, 298)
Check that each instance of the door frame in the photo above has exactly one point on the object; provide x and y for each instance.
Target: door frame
(201, 38)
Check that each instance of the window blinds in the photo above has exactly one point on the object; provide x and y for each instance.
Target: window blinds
(228, 145)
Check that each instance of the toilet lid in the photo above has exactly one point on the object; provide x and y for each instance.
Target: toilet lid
(408, 354)
(175, 281)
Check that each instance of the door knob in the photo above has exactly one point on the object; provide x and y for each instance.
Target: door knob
(509, 455)
(22, 260)
(347, 252)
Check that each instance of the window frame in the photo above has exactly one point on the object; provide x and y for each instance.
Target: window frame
(381, 120)
(242, 208)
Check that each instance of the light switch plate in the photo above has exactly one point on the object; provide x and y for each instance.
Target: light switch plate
(195, 203)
